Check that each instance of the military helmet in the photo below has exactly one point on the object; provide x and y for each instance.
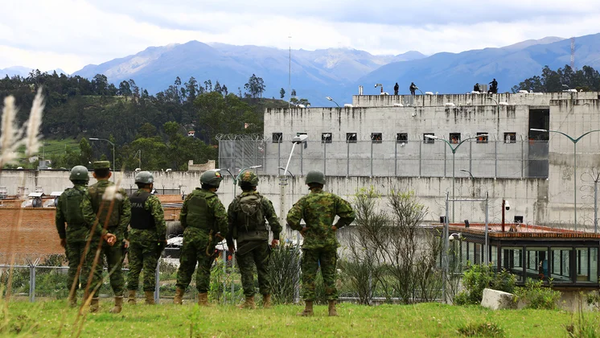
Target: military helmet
(144, 177)
(79, 173)
(315, 176)
(249, 177)
(211, 178)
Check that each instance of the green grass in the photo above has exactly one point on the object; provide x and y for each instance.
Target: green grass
(50, 148)
(166, 320)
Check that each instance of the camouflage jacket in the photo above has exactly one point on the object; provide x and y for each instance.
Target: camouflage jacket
(72, 232)
(93, 204)
(318, 209)
(203, 210)
(158, 234)
(236, 217)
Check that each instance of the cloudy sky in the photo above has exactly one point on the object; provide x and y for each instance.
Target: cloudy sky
(70, 34)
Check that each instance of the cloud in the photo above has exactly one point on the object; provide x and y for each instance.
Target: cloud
(71, 33)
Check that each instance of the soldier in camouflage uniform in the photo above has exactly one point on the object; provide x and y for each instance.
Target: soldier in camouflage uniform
(318, 209)
(146, 237)
(247, 214)
(74, 238)
(204, 220)
(107, 212)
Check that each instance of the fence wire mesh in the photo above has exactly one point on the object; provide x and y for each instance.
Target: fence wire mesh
(505, 158)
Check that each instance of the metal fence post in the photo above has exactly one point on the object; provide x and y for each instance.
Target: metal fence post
(445, 160)
(470, 159)
(324, 158)
(232, 285)
(396, 158)
(347, 158)
(32, 282)
(301, 159)
(371, 157)
(522, 158)
(224, 276)
(157, 282)
(496, 159)
(420, 156)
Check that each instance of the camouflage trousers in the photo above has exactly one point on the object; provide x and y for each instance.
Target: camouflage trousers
(74, 252)
(311, 259)
(257, 254)
(194, 251)
(114, 260)
(142, 256)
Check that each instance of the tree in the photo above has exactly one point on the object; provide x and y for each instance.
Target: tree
(147, 130)
(255, 86)
(191, 88)
(100, 84)
(282, 93)
(124, 89)
(585, 79)
(85, 152)
(218, 88)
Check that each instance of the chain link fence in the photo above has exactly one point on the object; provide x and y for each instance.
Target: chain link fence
(510, 157)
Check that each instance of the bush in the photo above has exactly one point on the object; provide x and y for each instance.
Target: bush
(537, 296)
(481, 330)
(481, 276)
(284, 272)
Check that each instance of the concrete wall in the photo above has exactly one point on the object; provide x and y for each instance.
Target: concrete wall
(413, 158)
(534, 99)
(574, 118)
(528, 196)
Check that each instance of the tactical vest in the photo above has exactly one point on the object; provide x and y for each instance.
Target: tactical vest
(71, 199)
(251, 220)
(198, 213)
(140, 217)
(102, 207)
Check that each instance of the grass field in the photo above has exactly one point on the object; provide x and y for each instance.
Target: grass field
(166, 320)
(50, 148)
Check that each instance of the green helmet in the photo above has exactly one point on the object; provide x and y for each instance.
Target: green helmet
(144, 177)
(250, 177)
(211, 178)
(79, 173)
(315, 176)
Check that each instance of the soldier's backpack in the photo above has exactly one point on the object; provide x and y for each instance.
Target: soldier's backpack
(71, 200)
(251, 207)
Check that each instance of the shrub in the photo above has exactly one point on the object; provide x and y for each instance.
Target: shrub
(284, 272)
(481, 330)
(481, 276)
(537, 296)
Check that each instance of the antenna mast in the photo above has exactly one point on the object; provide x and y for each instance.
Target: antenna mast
(573, 54)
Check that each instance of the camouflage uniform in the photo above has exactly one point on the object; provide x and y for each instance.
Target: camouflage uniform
(96, 213)
(202, 217)
(318, 209)
(68, 210)
(145, 242)
(252, 240)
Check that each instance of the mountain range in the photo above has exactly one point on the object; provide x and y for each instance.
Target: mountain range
(24, 71)
(339, 72)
